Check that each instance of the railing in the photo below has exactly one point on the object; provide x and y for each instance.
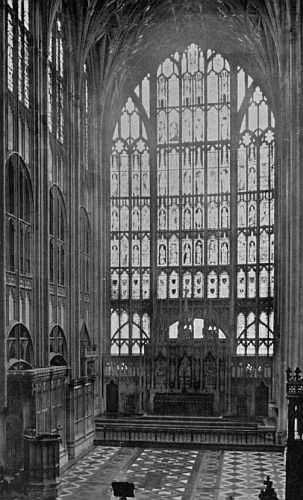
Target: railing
(125, 434)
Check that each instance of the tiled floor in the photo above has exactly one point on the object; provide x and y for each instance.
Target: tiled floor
(160, 474)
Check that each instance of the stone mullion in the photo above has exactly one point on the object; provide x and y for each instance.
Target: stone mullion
(234, 141)
(3, 367)
(153, 206)
(39, 251)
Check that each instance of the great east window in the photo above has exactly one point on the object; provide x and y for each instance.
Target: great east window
(192, 205)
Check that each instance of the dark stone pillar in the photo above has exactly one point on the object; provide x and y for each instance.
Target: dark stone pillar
(294, 454)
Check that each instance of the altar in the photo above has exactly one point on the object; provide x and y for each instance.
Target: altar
(184, 404)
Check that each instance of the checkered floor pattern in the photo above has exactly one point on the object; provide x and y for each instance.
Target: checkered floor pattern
(160, 474)
(243, 473)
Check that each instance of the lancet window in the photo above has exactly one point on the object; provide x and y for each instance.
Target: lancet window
(56, 81)
(18, 42)
(18, 216)
(18, 78)
(192, 205)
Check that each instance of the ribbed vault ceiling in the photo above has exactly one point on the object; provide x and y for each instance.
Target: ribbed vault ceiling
(134, 34)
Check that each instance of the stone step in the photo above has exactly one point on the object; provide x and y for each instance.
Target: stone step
(168, 422)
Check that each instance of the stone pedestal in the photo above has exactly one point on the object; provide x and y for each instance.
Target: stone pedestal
(41, 465)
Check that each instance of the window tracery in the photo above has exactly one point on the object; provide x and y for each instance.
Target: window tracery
(196, 209)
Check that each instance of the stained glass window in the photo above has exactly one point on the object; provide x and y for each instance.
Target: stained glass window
(211, 206)
(18, 216)
(85, 125)
(56, 81)
(18, 43)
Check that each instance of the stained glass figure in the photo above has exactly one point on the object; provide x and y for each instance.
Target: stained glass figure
(162, 254)
(174, 251)
(252, 249)
(263, 282)
(174, 128)
(224, 252)
(225, 216)
(199, 125)
(174, 217)
(199, 181)
(162, 128)
(145, 217)
(242, 249)
(114, 184)
(115, 219)
(213, 214)
(136, 253)
(264, 247)
(187, 253)
(212, 251)
(199, 252)
(162, 286)
(145, 251)
(145, 184)
(124, 251)
(162, 218)
(252, 214)
(187, 218)
(124, 217)
(115, 254)
(136, 219)
(199, 217)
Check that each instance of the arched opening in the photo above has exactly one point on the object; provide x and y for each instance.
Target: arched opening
(57, 347)
(19, 348)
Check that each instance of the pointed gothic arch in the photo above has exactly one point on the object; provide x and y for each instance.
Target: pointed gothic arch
(19, 348)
